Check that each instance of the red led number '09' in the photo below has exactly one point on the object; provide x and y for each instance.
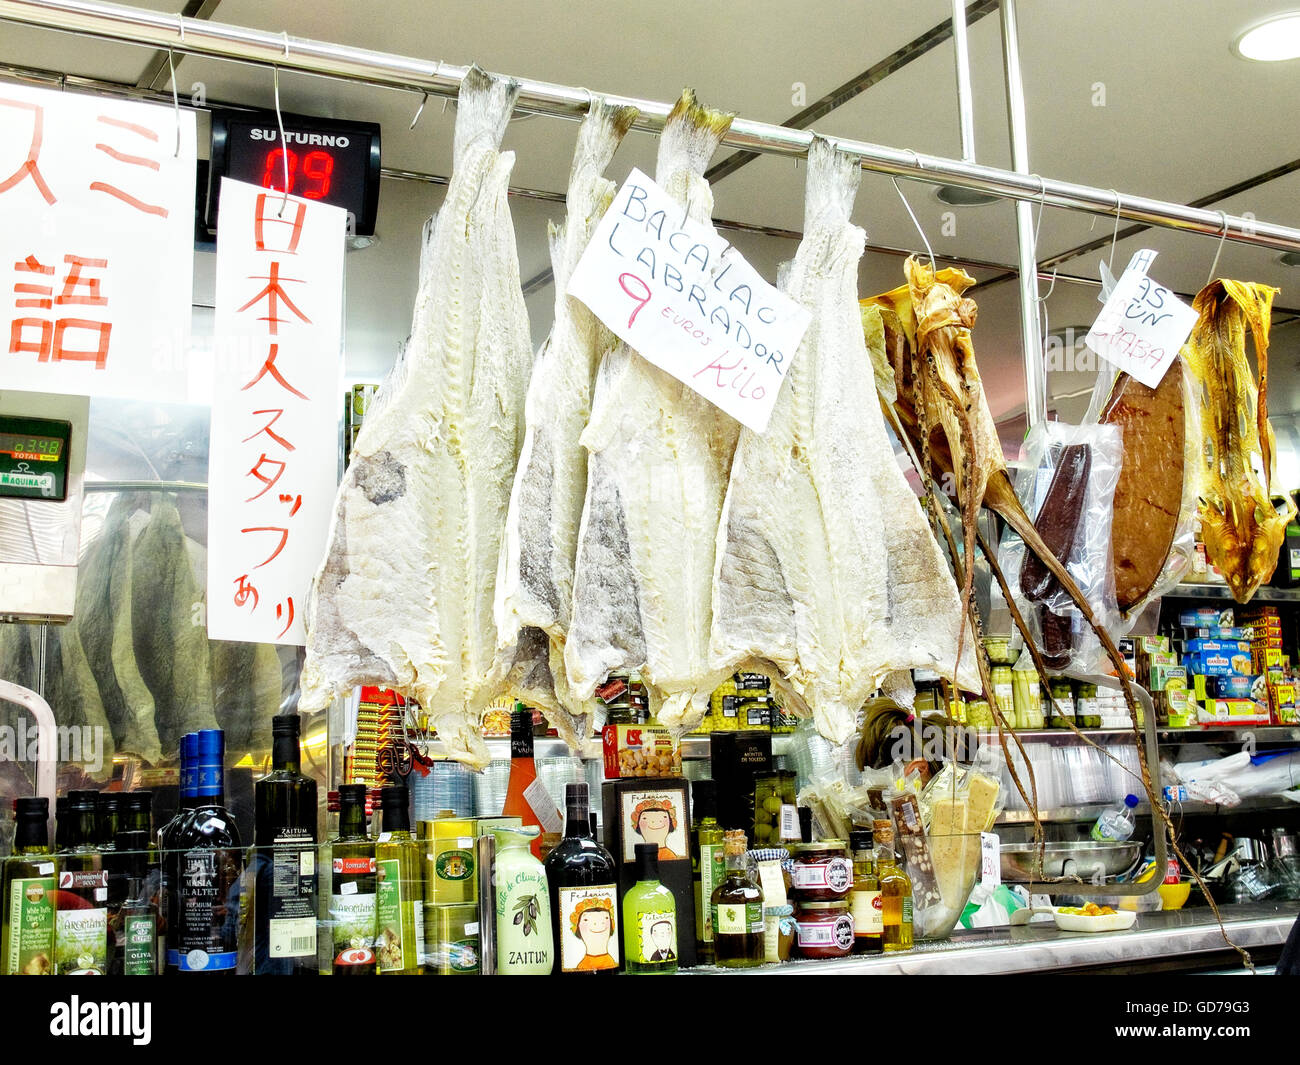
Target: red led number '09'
(316, 168)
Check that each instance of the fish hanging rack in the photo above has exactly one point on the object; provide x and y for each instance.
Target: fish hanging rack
(145, 486)
(161, 30)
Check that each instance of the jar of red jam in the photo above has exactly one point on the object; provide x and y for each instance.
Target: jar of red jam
(822, 871)
(824, 930)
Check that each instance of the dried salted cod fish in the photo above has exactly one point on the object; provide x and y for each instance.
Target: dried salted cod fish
(404, 596)
(1243, 529)
(826, 566)
(659, 459)
(535, 587)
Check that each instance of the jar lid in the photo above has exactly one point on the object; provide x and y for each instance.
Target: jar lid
(825, 846)
(778, 911)
(768, 854)
(825, 907)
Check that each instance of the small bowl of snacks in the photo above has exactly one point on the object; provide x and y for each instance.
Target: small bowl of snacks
(1093, 918)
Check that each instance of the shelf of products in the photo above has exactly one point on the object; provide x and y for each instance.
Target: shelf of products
(1223, 592)
(1191, 936)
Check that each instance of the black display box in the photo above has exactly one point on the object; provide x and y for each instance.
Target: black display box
(655, 810)
(737, 758)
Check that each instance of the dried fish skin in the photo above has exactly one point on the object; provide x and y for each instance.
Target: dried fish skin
(1242, 528)
(171, 651)
(535, 586)
(659, 458)
(405, 595)
(826, 566)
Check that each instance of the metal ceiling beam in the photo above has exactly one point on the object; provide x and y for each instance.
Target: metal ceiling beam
(217, 40)
(855, 86)
(157, 72)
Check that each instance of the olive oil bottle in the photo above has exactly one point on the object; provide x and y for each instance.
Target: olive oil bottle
(399, 893)
(709, 863)
(81, 907)
(29, 884)
(895, 892)
(737, 910)
(352, 921)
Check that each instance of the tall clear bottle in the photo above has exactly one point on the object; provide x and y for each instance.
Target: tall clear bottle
(399, 903)
(649, 918)
(737, 906)
(207, 863)
(710, 864)
(352, 914)
(895, 892)
(285, 857)
(583, 886)
(81, 901)
(29, 883)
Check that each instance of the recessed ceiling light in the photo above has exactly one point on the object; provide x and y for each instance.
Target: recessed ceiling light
(1289, 258)
(960, 197)
(1272, 40)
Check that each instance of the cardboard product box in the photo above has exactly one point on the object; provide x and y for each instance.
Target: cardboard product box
(737, 758)
(1232, 712)
(1165, 677)
(1206, 615)
(655, 810)
(1151, 644)
(1218, 665)
(1180, 708)
(1282, 701)
(1227, 647)
(639, 751)
(1264, 660)
(1212, 632)
(1237, 686)
(1263, 643)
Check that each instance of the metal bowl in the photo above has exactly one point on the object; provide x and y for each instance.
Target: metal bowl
(1083, 859)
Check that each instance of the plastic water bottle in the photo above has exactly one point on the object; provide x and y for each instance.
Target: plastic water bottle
(1116, 824)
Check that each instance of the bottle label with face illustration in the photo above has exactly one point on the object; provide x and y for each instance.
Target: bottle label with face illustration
(656, 940)
(588, 928)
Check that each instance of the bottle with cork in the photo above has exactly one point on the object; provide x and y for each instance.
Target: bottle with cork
(737, 909)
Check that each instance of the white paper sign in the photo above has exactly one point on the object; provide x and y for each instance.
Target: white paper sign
(96, 244)
(1143, 325)
(277, 378)
(686, 300)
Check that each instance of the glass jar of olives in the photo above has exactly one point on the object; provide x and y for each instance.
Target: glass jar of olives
(772, 792)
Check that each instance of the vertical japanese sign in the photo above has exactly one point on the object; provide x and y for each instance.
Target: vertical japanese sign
(96, 244)
(273, 465)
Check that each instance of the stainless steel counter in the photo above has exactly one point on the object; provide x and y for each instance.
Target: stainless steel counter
(1042, 947)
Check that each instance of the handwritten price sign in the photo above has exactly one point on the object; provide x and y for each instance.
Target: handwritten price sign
(689, 302)
(1142, 326)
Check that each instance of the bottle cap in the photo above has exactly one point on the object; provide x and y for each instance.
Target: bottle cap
(139, 800)
(81, 801)
(210, 746)
(352, 793)
(647, 861)
(805, 824)
(34, 806)
(286, 725)
(521, 721)
(109, 800)
(576, 794)
(1130, 801)
(392, 797)
(189, 746)
(861, 839)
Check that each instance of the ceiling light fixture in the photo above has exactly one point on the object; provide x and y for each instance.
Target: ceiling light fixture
(1275, 39)
(961, 197)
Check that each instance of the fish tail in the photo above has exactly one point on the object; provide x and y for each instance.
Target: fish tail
(483, 110)
(833, 179)
(693, 131)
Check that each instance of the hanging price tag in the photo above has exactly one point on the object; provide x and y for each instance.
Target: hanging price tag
(990, 860)
(1143, 325)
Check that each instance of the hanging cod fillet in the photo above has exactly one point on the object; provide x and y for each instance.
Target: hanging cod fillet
(535, 587)
(405, 594)
(656, 478)
(826, 566)
(1243, 529)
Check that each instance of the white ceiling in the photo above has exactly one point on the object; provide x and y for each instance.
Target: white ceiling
(1182, 117)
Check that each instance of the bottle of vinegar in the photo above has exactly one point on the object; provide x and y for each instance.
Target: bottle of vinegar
(285, 838)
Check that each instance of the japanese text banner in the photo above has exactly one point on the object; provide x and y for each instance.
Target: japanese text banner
(96, 244)
(273, 466)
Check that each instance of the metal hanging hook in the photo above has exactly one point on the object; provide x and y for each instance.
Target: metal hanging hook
(284, 148)
(912, 215)
(176, 103)
(1222, 237)
(419, 112)
(1114, 237)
